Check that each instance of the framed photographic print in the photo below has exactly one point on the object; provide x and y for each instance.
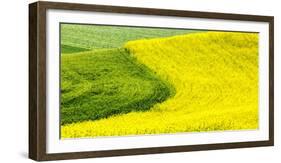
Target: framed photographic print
(112, 81)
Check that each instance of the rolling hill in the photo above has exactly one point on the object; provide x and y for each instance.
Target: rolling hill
(215, 81)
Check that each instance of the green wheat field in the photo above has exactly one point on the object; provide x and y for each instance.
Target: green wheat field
(118, 81)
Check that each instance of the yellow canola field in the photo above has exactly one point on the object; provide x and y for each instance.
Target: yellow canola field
(215, 75)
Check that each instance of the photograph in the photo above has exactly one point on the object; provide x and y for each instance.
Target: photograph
(130, 81)
(120, 80)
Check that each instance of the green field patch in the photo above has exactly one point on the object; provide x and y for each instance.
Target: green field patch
(100, 79)
(102, 83)
(71, 49)
(100, 36)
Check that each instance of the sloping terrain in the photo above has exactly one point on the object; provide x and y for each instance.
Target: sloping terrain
(100, 79)
(78, 38)
(215, 76)
(101, 83)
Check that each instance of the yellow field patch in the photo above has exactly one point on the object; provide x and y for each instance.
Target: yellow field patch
(215, 75)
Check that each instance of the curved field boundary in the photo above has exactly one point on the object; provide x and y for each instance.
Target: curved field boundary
(102, 83)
